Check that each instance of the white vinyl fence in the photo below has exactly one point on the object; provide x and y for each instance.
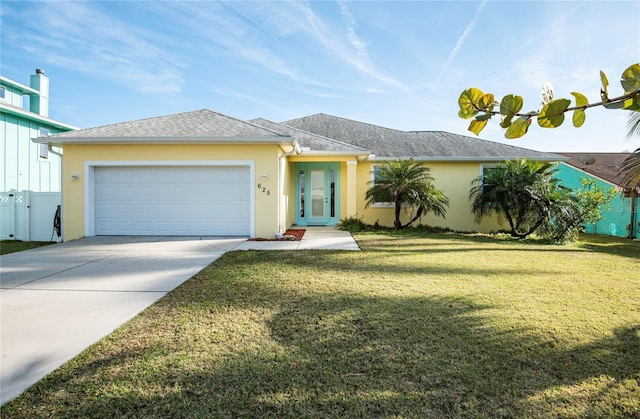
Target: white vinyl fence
(29, 216)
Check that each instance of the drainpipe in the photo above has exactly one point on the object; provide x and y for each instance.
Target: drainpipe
(632, 225)
(282, 162)
(52, 151)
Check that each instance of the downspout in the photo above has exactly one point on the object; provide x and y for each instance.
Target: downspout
(281, 166)
(634, 195)
(52, 151)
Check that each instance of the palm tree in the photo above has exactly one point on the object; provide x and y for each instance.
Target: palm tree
(406, 183)
(528, 195)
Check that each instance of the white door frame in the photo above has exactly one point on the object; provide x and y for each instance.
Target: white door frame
(89, 183)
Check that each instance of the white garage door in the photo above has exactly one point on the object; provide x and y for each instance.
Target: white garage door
(171, 200)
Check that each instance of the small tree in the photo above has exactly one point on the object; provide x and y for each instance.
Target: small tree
(406, 183)
(571, 211)
(593, 199)
(529, 196)
(565, 216)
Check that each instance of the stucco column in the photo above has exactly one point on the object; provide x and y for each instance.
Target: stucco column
(351, 188)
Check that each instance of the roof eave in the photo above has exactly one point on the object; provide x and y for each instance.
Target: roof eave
(18, 86)
(593, 175)
(359, 155)
(164, 140)
(465, 159)
(35, 117)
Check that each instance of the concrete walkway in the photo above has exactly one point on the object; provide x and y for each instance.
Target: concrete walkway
(56, 301)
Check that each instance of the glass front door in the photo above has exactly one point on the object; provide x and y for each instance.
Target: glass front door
(316, 194)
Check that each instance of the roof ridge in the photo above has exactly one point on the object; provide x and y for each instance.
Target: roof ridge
(349, 120)
(280, 134)
(136, 120)
(177, 114)
(316, 135)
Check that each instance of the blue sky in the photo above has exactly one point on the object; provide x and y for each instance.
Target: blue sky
(397, 64)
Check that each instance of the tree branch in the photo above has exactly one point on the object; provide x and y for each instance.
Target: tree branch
(573, 108)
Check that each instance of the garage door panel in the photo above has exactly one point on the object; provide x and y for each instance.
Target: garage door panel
(172, 200)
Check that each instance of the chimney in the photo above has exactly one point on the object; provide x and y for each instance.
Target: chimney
(40, 103)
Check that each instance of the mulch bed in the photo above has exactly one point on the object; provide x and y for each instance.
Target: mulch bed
(292, 234)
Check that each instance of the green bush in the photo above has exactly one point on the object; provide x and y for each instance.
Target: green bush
(353, 224)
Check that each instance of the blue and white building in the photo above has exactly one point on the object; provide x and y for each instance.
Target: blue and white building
(24, 114)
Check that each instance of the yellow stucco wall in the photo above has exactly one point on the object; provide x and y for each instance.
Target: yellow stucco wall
(276, 211)
(265, 158)
(453, 178)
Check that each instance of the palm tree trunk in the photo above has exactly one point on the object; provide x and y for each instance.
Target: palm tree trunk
(396, 223)
(418, 215)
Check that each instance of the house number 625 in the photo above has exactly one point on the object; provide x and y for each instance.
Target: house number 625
(264, 189)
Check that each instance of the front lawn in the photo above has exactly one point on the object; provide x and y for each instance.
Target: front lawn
(12, 246)
(439, 325)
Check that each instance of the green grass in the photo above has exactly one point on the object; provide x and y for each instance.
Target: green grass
(416, 325)
(12, 246)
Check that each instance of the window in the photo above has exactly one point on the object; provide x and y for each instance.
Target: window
(301, 182)
(43, 149)
(486, 169)
(3, 92)
(332, 183)
(374, 172)
(44, 152)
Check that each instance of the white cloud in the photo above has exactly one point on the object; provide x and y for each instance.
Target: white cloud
(84, 39)
(354, 39)
(465, 34)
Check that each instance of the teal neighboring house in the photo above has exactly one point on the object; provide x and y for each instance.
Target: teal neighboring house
(623, 218)
(24, 114)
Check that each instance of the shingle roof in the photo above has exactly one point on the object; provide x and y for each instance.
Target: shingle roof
(420, 145)
(309, 140)
(605, 166)
(196, 124)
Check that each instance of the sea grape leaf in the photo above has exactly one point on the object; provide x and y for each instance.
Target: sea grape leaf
(476, 126)
(518, 128)
(552, 114)
(468, 102)
(579, 115)
(605, 82)
(631, 78)
(581, 100)
(511, 104)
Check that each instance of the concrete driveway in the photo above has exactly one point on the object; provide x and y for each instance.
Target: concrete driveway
(57, 300)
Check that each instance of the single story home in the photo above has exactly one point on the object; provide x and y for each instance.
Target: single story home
(205, 173)
(623, 217)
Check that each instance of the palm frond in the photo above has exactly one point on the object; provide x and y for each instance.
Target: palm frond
(406, 183)
(631, 169)
(633, 124)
